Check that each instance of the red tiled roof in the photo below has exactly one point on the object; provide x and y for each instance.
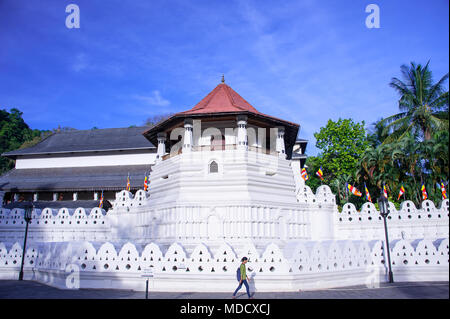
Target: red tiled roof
(222, 99)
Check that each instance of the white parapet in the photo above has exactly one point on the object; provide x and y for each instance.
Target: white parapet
(408, 222)
(49, 225)
(304, 265)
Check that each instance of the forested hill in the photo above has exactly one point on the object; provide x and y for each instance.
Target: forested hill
(14, 134)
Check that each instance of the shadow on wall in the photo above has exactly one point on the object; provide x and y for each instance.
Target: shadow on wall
(252, 283)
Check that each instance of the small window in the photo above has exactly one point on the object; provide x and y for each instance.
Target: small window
(213, 167)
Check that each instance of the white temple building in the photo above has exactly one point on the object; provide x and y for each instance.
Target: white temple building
(224, 183)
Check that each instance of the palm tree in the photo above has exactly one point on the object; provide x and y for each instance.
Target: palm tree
(423, 105)
(377, 133)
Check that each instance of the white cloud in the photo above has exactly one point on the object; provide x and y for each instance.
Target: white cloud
(154, 98)
(80, 62)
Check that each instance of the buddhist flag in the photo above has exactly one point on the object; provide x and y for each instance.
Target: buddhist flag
(128, 183)
(424, 192)
(367, 194)
(145, 183)
(101, 201)
(354, 190)
(304, 174)
(402, 191)
(385, 191)
(444, 193)
(320, 173)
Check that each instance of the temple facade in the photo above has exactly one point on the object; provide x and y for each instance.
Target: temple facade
(224, 182)
(221, 167)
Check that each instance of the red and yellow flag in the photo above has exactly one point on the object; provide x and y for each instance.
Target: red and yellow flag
(367, 194)
(128, 183)
(354, 190)
(145, 183)
(101, 201)
(402, 191)
(424, 192)
(385, 191)
(444, 192)
(304, 174)
(320, 173)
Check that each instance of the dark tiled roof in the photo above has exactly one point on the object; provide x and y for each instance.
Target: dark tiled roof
(86, 204)
(89, 140)
(74, 178)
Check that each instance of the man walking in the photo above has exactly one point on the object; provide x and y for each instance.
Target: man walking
(243, 278)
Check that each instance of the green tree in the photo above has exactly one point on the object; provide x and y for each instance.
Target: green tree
(410, 162)
(423, 105)
(377, 133)
(155, 119)
(411, 147)
(16, 134)
(13, 133)
(342, 143)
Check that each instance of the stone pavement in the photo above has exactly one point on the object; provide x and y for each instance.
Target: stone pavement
(12, 289)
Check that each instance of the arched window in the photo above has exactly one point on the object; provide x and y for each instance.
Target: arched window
(213, 167)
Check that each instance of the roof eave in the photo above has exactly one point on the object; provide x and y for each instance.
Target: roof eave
(15, 155)
(160, 126)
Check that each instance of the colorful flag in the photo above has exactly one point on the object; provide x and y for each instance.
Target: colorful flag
(128, 183)
(385, 191)
(101, 201)
(145, 183)
(402, 191)
(444, 192)
(346, 191)
(424, 192)
(304, 174)
(367, 194)
(354, 190)
(320, 173)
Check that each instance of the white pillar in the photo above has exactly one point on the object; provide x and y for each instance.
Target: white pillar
(187, 140)
(280, 142)
(161, 145)
(75, 196)
(55, 197)
(95, 195)
(242, 132)
(35, 197)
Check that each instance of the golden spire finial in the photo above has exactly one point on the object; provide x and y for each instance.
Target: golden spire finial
(223, 78)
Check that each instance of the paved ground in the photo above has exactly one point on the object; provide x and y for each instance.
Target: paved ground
(11, 289)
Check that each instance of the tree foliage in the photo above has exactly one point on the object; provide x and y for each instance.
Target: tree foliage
(16, 134)
(13, 133)
(406, 149)
(423, 105)
(155, 119)
(341, 144)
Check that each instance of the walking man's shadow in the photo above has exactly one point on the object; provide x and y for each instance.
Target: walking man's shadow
(252, 285)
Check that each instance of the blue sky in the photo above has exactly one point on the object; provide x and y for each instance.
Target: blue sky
(303, 61)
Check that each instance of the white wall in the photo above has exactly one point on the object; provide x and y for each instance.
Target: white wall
(86, 161)
(408, 222)
(305, 265)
